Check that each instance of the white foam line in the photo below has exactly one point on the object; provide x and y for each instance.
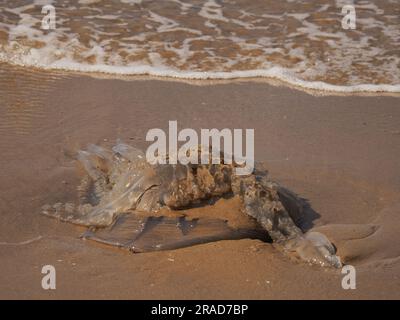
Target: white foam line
(274, 73)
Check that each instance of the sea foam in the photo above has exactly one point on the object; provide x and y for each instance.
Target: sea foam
(286, 41)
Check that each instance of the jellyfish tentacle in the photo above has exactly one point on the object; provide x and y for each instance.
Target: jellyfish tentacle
(261, 200)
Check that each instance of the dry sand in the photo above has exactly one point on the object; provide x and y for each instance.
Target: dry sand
(339, 152)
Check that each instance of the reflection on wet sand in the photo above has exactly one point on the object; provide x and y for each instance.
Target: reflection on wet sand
(23, 94)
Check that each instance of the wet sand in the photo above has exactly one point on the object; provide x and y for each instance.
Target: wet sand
(339, 152)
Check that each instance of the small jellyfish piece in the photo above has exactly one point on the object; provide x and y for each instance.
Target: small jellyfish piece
(314, 247)
(116, 181)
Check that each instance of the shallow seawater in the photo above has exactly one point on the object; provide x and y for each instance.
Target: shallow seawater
(298, 41)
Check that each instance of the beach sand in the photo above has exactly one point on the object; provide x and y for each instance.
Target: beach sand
(341, 153)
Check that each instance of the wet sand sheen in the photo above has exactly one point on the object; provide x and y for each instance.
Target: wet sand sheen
(23, 98)
(340, 153)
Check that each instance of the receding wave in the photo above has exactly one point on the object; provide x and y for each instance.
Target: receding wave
(296, 41)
